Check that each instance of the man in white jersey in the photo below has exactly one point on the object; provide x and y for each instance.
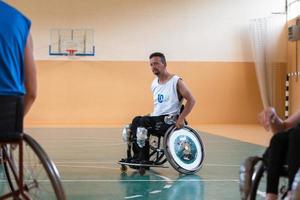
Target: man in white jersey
(168, 91)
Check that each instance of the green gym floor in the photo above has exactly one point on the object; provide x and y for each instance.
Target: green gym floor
(87, 162)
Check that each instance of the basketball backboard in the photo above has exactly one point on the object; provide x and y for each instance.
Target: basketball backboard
(78, 41)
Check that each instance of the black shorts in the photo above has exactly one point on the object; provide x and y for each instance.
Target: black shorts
(11, 113)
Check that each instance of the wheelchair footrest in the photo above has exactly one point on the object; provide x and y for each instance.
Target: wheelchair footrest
(141, 164)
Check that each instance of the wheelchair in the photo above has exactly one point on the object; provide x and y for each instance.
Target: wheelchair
(252, 179)
(29, 172)
(182, 148)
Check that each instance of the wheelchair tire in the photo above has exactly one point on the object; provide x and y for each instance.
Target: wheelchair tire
(41, 178)
(296, 186)
(259, 182)
(184, 149)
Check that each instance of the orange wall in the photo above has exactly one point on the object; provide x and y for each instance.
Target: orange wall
(111, 93)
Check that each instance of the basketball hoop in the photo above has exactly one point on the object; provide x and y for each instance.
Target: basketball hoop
(71, 53)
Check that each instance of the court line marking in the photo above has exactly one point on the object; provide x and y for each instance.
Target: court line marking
(109, 180)
(85, 144)
(94, 167)
(260, 193)
(100, 162)
(168, 180)
(132, 197)
(155, 191)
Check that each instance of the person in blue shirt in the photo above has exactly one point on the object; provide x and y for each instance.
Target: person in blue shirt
(18, 84)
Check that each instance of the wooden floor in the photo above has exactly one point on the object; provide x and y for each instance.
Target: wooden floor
(87, 161)
(252, 133)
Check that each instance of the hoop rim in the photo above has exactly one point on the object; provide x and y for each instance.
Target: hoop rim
(71, 52)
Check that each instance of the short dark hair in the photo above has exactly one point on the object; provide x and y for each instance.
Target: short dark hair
(161, 55)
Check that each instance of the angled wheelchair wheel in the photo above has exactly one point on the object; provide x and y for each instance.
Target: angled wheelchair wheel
(41, 178)
(184, 149)
(246, 174)
(296, 186)
(258, 188)
(259, 183)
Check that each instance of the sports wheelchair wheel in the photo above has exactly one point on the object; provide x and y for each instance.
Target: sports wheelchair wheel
(259, 182)
(41, 178)
(296, 187)
(184, 149)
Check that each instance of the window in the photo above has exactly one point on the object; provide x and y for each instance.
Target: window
(293, 7)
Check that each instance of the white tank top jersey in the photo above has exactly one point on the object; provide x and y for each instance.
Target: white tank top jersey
(165, 97)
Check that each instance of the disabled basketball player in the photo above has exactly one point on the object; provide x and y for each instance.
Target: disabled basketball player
(169, 91)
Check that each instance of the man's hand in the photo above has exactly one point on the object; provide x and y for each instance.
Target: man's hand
(266, 117)
(270, 120)
(179, 123)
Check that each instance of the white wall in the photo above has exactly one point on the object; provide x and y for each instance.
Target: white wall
(187, 30)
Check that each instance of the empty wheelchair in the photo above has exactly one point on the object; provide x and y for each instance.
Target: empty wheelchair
(182, 148)
(252, 180)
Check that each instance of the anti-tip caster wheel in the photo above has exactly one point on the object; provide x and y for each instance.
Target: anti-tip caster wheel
(123, 168)
(142, 171)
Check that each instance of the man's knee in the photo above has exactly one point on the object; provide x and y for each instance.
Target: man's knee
(136, 120)
(145, 121)
(142, 121)
(279, 139)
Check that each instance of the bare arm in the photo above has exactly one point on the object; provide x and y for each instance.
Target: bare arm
(292, 121)
(30, 76)
(190, 102)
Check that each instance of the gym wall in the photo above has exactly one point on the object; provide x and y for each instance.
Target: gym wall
(294, 67)
(206, 42)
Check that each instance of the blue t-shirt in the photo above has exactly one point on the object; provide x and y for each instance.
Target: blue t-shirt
(14, 30)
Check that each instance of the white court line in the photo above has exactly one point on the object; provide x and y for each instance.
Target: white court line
(69, 164)
(203, 180)
(168, 180)
(260, 193)
(93, 167)
(155, 191)
(103, 162)
(84, 162)
(91, 145)
(220, 165)
(39, 180)
(132, 197)
(167, 186)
